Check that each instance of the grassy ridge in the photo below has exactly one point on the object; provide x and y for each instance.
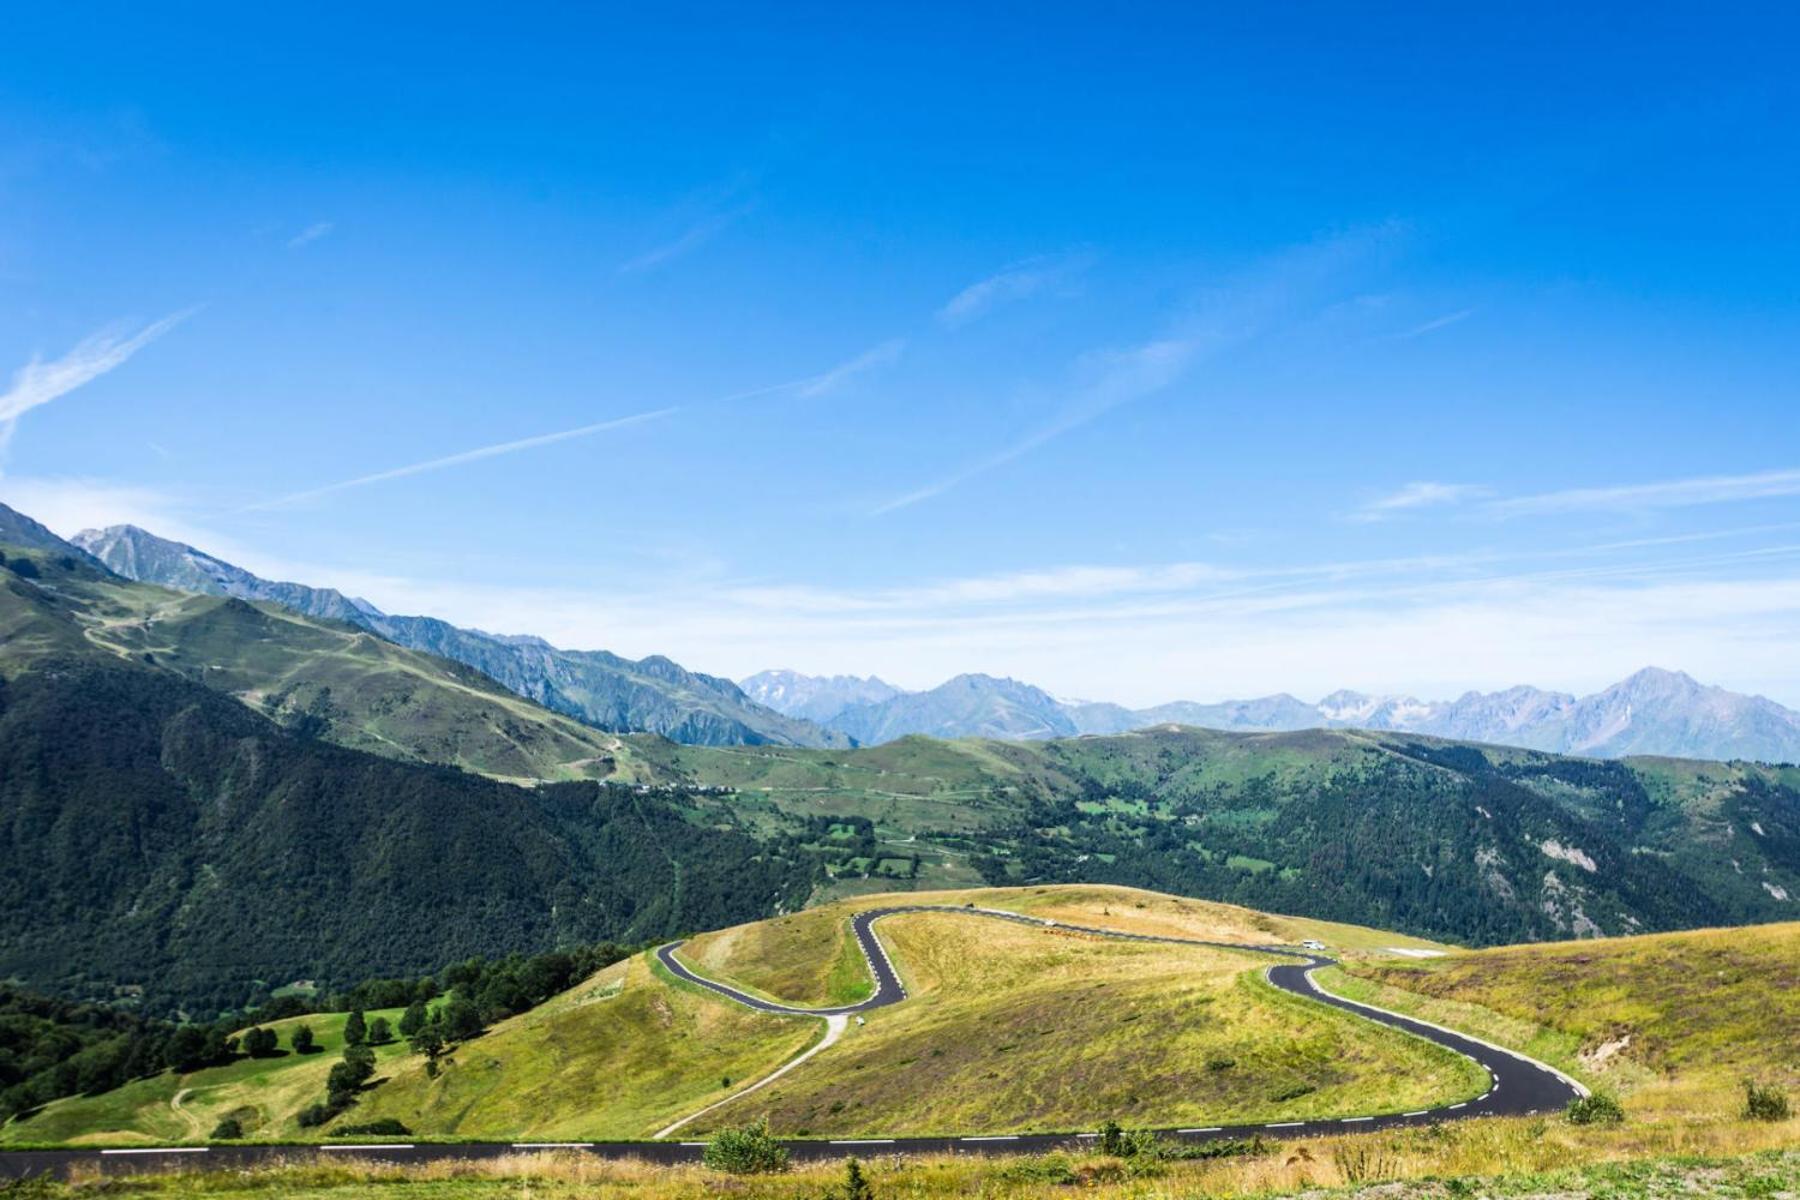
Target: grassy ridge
(1008, 1028)
(810, 957)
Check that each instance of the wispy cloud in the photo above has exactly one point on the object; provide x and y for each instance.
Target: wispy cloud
(1226, 316)
(1020, 281)
(694, 237)
(1422, 494)
(461, 459)
(876, 356)
(1123, 376)
(311, 233)
(1644, 497)
(37, 383)
(1431, 326)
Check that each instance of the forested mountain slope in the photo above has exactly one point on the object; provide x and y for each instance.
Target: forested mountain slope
(158, 838)
(1468, 843)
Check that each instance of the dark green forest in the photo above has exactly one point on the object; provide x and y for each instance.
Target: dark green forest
(1439, 839)
(164, 844)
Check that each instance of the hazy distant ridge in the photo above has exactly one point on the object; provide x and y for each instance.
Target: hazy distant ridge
(1652, 712)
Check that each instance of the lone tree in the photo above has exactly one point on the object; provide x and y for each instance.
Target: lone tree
(302, 1040)
(356, 1030)
(429, 1041)
(380, 1032)
(413, 1019)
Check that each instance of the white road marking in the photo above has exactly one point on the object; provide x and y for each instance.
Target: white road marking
(992, 1137)
(1208, 1129)
(695, 1143)
(1464, 1104)
(862, 1141)
(1283, 1124)
(1353, 1120)
(372, 1146)
(551, 1145)
(1420, 1113)
(163, 1150)
(1087, 1135)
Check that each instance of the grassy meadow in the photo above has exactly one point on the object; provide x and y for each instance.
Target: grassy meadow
(1673, 1022)
(262, 1094)
(1012, 1029)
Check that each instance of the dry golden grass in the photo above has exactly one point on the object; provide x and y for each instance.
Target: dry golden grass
(1674, 1022)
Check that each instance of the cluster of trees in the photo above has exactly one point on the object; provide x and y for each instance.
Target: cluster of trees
(51, 1048)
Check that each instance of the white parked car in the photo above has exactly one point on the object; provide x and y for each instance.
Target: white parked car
(1310, 944)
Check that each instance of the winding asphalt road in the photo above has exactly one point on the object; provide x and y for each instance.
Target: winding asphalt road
(1517, 1085)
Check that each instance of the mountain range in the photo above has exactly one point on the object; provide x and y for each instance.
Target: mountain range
(204, 797)
(1654, 711)
(652, 695)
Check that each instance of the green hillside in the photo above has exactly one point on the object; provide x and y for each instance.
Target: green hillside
(319, 677)
(1084, 1028)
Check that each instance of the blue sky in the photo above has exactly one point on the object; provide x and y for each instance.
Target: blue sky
(1142, 353)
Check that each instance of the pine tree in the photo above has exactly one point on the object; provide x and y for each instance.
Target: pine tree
(356, 1030)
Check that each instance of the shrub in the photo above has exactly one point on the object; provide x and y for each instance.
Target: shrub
(380, 1032)
(1597, 1109)
(260, 1042)
(1218, 1148)
(302, 1040)
(1048, 1168)
(386, 1127)
(750, 1150)
(1128, 1143)
(1765, 1103)
(317, 1114)
(228, 1130)
(856, 1184)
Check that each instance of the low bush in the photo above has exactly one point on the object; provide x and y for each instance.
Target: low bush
(315, 1115)
(1048, 1168)
(1127, 1143)
(228, 1130)
(751, 1150)
(386, 1127)
(1597, 1109)
(1765, 1102)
